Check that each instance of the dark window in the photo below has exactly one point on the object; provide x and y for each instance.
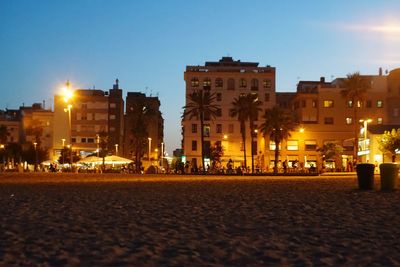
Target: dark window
(83, 140)
(369, 104)
(194, 128)
(194, 145)
(73, 140)
(219, 128)
(90, 140)
(219, 97)
(254, 84)
(303, 103)
(328, 120)
(84, 106)
(231, 84)
(219, 112)
(254, 144)
(266, 97)
(267, 84)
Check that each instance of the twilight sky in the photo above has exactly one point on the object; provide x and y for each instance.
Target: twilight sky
(147, 44)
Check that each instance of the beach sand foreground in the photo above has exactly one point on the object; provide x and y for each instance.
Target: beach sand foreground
(125, 220)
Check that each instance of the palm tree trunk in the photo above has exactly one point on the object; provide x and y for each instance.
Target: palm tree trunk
(243, 127)
(276, 156)
(252, 148)
(202, 139)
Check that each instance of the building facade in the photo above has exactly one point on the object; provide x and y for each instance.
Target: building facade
(227, 79)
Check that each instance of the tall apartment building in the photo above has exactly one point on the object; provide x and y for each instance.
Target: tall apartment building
(11, 119)
(87, 114)
(228, 79)
(138, 104)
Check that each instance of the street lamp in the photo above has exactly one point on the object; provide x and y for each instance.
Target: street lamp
(36, 155)
(98, 143)
(116, 149)
(149, 147)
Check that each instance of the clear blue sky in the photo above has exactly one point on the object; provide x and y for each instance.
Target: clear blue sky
(147, 44)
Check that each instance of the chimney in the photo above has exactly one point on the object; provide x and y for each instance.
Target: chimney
(380, 71)
(322, 80)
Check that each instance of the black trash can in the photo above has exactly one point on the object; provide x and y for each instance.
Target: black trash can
(365, 176)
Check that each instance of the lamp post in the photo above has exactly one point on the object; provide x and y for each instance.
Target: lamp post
(98, 143)
(36, 156)
(68, 94)
(149, 147)
(162, 153)
(63, 150)
(2, 147)
(116, 149)
(365, 129)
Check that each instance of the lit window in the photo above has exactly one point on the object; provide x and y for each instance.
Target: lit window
(379, 103)
(112, 117)
(328, 103)
(206, 130)
(380, 120)
(272, 146)
(194, 82)
(207, 84)
(267, 84)
(350, 103)
(349, 120)
(314, 103)
(292, 145)
(219, 82)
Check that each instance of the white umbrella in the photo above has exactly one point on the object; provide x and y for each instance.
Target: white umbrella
(116, 160)
(91, 159)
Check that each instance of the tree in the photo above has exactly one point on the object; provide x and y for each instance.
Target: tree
(3, 134)
(216, 153)
(389, 142)
(277, 125)
(200, 104)
(246, 108)
(356, 86)
(331, 151)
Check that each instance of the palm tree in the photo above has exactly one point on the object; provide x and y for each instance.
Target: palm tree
(356, 86)
(246, 107)
(201, 105)
(277, 125)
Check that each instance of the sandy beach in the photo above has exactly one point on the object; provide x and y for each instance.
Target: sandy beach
(126, 220)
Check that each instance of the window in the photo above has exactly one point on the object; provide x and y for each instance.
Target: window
(231, 84)
(303, 103)
(349, 120)
(206, 130)
(83, 117)
(350, 103)
(84, 106)
(112, 117)
(113, 105)
(292, 145)
(230, 128)
(194, 82)
(369, 104)
(207, 84)
(83, 140)
(380, 120)
(267, 84)
(254, 148)
(310, 145)
(90, 140)
(272, 145)
(328, 120)
(266, 97)
(254, 84)
(73, 140)
(395, 112)
(112, 129)
(194, 145)
(314, 103)
(93, 116)
(219, 112)
(328, 103)
(243, 83)
(194, 128)
(219, 83)
(219, 128)
(219, 97)
(379, 103)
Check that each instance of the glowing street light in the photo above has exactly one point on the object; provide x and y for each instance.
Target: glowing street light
(36, 155)
(116, 149)
(149, 147)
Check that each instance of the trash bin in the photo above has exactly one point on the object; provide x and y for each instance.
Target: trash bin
(365, 176)
(389, 174)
